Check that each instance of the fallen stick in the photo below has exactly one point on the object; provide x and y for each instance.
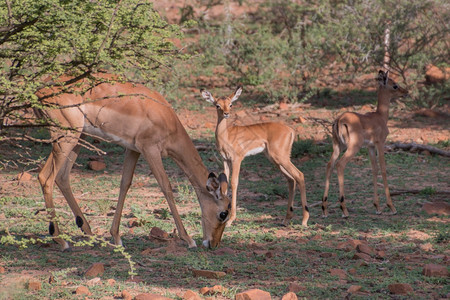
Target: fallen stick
(413, 147)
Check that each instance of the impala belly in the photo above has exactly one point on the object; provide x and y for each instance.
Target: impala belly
(255, 151)
(97, 132)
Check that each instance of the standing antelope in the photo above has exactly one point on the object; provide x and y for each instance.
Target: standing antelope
(236, 142)
(352, 131)
(143, 122)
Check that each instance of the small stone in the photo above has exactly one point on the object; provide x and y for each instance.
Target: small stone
(126, 295)
(253, 294)
(24, 176)
(191, 295)
(362, 256)
(97, 269)
(295, 288)
(400, 288)
(327, 254)
(133, 223)
(432, 270)
(428, 247)
(148, 296)
(284, 106)
(96, 165)
(208, 274)
(363, 248)
(381, 254)
(93, 281)
(34, 285)
(111, 282)
(289, 296)
(338, 272)
(354, 288)
(82, 290)
(2, 270)
(349, 245)
(352, 271)
(158, 233)
(204, 290)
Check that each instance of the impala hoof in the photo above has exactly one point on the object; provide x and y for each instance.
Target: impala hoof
(378, 212)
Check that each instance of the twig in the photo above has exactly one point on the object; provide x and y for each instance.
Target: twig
(412, 147)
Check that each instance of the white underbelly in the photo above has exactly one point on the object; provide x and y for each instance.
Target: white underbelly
(97, 132)
(255, 151)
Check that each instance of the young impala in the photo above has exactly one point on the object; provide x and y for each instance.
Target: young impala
(352, 131)
(143, 122)
(236, 142)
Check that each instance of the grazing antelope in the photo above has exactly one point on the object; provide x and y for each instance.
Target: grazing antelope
(236, 142)
(352, 131)
(143, 122)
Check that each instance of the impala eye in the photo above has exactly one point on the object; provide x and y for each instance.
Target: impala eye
(218, 106)
(223, 215)
(231, 105)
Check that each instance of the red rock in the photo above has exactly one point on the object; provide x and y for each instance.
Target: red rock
(217, 289)
(159, 234)
(349, 245)
(362, 256)
(295, 288)
(434, 74)
(34, 285)
(432, 270)
(97, 269)
(381, 254)
(440, 208)
(327, 254)
(208, 274)
(338, 272)
(284, 105)
(93, 281)
(133, 222)
(363, 248)
(24, 176)
(191, 295)
(111, 282)
(96, 165)
(204, 290)
(352, 271)
(82, 290)
(300, 120)
(126, 295)
(148, 296)
(400, 288)
(289, 296)
(2, 270)
(253, 294)
(354, 288)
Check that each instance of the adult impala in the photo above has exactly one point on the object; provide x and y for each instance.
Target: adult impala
(143, 122)
(352, 131)
(236, 142)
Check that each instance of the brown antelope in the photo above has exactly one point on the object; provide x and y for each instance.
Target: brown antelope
(236, 142)
(352, 131)
(143, 122)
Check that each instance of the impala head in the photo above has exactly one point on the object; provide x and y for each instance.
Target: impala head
(214, 217)
(222, 104)
(388, 85)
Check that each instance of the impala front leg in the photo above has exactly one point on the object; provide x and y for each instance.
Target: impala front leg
(380, 148)
(373, 162)
(234, 185)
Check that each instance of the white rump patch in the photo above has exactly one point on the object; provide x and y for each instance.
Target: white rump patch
(255, 151)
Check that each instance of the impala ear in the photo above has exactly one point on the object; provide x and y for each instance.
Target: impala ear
(212, 184)
(386, 78)
(383, 77)
(236, 94)
(223, 182)
(208, 97)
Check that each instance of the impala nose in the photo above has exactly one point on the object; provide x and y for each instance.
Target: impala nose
(226, 115)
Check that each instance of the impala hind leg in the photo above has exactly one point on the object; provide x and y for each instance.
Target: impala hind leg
(63, 182)
(153, 157)
(129, 165)
(373, 162)
(56, 160)
(340, 167)
(380, 148)
(330, 167)
(290, 206)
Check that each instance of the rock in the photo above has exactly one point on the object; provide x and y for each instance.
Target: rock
(2, 270)
(432, 270)
(381, 254)
(434, 74)
(289, 296)
(439, 208)
(82, 290)
(428, 247)
(338, 272)
(300, 120)
(24, 176)
(354, 288)
(159, 234)
(352, 271)
(362, 256)
(97, 269)
(217, 289)
(349, 245)
(284, 106)
(295, 288)
(327, 254)
(191, 295)
(34, 285)
(126, 295)
(400, 288)
(204, 290)
(93, 281)
(208, 274)
(363, 248)
(148, 296)
(96, 165)
(134, 222)
(111, 282)
(253, 294)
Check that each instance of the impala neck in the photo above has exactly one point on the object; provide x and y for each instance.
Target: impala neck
(222, 126)
(383, 103)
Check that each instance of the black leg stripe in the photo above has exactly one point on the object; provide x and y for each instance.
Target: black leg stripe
(306, 208)
(292, 209)
(51, 228)
(79, 221)
(323, 208)
(342, 199)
